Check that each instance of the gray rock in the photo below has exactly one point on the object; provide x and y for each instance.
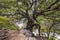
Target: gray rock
(3, 33)
(32, 38)
(26, 32)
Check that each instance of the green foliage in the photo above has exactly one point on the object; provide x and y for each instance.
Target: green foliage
(51, 38)
(4, 22)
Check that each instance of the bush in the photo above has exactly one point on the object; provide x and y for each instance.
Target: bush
(4, 22)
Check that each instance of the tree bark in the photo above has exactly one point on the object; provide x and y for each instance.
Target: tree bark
(30, 25)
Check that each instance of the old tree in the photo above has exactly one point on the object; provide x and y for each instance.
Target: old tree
(41, 14)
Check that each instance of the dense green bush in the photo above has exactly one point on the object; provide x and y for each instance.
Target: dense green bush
(4, 22)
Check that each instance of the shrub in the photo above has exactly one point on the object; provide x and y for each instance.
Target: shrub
(4, 22)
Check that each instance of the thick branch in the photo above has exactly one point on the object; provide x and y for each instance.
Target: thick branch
(47, 9)
(52, 4)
